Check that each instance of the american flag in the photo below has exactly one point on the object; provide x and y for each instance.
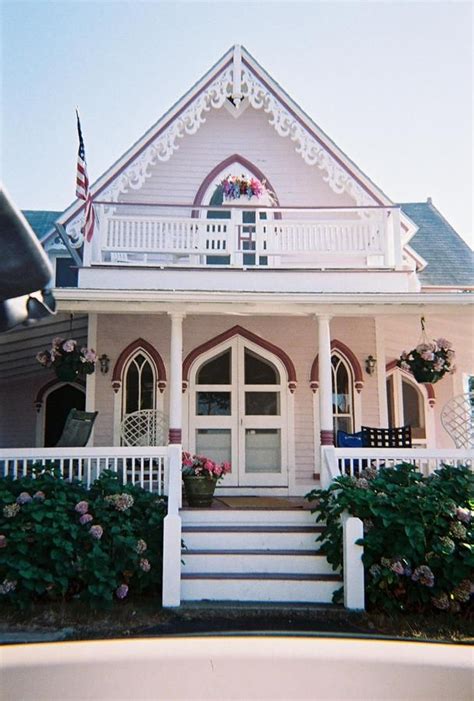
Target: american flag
(82, 185)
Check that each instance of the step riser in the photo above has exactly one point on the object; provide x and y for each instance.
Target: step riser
(246, 517)
(231, 563)
(250, 541)
(258, 590)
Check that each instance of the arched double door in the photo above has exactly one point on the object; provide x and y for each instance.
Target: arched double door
(238, 412)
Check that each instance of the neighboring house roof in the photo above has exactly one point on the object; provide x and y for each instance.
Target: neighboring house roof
(41, 221)
(449, 259)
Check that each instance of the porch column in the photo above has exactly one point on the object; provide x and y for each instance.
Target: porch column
(171, 588)
(325, 381)
(176, 376)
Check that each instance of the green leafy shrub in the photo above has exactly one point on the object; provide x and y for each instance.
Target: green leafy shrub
(418, 534)
(59, 540)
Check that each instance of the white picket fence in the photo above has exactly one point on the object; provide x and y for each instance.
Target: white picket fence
(146, 467)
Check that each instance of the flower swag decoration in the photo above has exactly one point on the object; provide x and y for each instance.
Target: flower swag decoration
(200, 466)
(67, 360)
(234, 187)
(430, 360)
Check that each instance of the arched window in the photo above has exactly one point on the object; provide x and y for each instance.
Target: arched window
(342, 394)
(139, 385)
(406, 405)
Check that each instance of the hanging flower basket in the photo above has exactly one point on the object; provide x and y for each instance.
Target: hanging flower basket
(430, 360)
(200, 477)
(235, 187)
(67, 360)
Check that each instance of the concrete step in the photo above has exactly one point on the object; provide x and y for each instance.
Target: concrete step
(247, 517)
(259, 587)
(267, 561)
(250, 537)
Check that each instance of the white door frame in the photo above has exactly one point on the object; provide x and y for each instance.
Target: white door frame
(238, 422)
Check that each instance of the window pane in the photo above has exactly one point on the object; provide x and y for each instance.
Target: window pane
(262, 403)
(216, 371)
(213, 404)
(412, 415)
(390, 403)
(147, 387)
(259, 371)
(214, 443)
(262, 450)
(131, 389)
(342, 423)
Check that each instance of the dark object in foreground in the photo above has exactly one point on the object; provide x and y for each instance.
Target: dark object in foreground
(24, 270)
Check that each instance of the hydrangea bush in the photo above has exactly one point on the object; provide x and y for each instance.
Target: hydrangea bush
(59, 540)
(418, 535)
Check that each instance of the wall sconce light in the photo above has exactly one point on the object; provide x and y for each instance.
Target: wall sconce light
(370, 363)
(104, 362)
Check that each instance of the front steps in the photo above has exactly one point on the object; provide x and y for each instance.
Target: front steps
(254, 555)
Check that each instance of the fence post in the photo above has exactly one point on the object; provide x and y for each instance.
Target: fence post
(354, 589)
(171, 590)
(329, 466)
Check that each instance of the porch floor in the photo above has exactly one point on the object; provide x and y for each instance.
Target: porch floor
(248, 502)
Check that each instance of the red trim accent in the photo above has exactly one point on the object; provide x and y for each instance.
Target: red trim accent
(327, 437)
(42, 391)
(223, 164)
(392, 365)
(351, 358)
(175, 435)
(127, 352)
(305, 126)
(240, 331)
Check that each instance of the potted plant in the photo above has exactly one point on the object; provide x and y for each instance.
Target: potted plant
(200, 476)
(67, 360)
(429, 361)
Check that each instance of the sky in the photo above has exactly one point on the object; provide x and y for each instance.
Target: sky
(389, 82)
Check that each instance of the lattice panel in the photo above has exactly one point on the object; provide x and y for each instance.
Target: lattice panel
(147, 427)
(457, 418)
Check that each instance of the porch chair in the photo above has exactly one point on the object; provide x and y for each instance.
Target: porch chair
(399, 437)
(77, 429)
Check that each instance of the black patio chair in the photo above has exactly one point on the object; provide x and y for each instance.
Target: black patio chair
(77, 429)
(399, 437)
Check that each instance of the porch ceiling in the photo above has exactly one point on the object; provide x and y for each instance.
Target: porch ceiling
(18, 348)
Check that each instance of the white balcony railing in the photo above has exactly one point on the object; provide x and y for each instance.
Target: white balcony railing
(246, 236)
(146, 467)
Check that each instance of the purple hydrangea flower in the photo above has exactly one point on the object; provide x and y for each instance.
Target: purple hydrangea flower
(397, 567)
(85, 518)
(423, 575)
(39, 496)
(145, 565)
(3, 541)
(96, 532)
(121, 591)
(82, 507)
(463, 515)
(24, 498)
(141, 546)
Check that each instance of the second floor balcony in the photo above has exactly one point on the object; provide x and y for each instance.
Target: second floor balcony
(246, 237)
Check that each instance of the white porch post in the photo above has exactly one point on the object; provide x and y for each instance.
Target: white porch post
(325, 401)
(325, 381)
(171, 592)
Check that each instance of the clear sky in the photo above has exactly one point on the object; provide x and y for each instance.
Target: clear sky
(389, 82)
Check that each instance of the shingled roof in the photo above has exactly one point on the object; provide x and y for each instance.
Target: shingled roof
(41, 221)
(449, 259)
